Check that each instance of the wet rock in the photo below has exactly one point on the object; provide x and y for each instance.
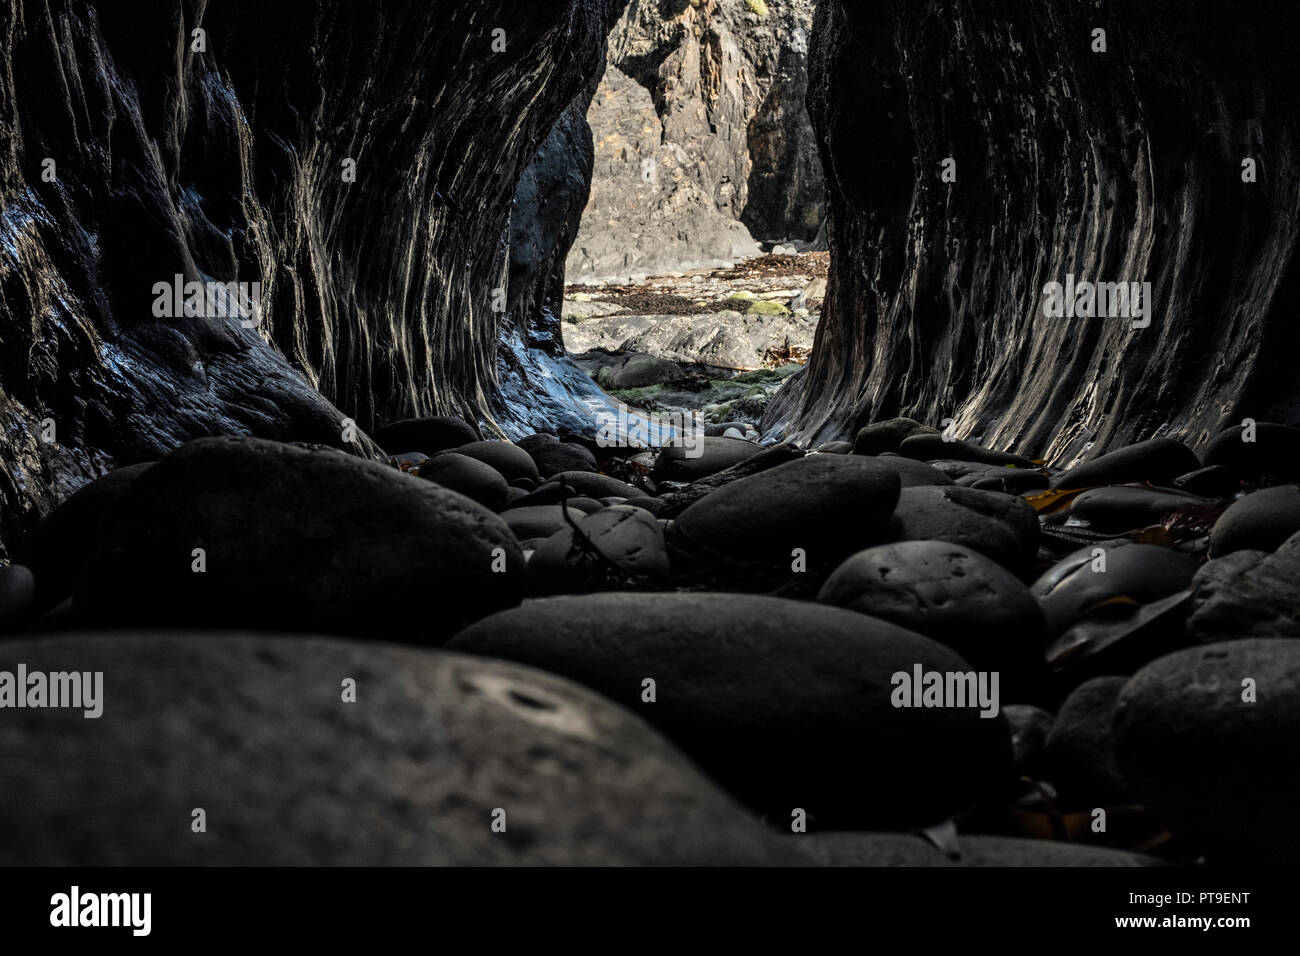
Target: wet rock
(617, 547)
(17, 597)
(57, 549)
(1274, 454)
(558, 457)
(637, 371)
(1212, 481)
(1119, 638)
(295, 540)
(651, 505)
(506, 457)
(949, 593)
(907, 849)
(768, 696)
(1260, 521)
(888, 435)
(826, 505)
(1139, 573)
(1158, 460)
(1115, 510)
(1029, 729)
(410, 775)
(1012, 481)
(430, 435)
(469, 476)
(537, 521)
(1210, 762)
(1081, 747)
(912, 474)
(1247, 594)
(1001, 527)
(715, 455)
(595, 486)
(835, 448)
(927, 447)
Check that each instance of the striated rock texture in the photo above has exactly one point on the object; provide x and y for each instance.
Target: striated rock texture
(223, 157)
(702, 137)
(1125, 165)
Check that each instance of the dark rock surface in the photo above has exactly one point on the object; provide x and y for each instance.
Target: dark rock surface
(998, 526)
(949, 593)
(802, 717)
(1275, 452)
(1081, 747)
(431, 434)
(612, 548)
(1140, 573)
(1248, 594)
(713, 455)
(1210, 761)
(1260, 521)
(1067, 161)
(288, 774)
(295, 540)
(469, 476)
(1159, 460)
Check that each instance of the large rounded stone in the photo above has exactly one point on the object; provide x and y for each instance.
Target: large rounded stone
(906, 849)
(1081, 747)
(1247, 594)
(471, 477)
(506, 457)
(1081, 582)
(911, 473)
(950, 593)
(256, 731)
(57, 549)
(1258, 522)
(1159, 461)
(595, 486)
(936, 447)
(879, 437)
(553, 458)
(1030, 726)
(1124, 508)
(538, 521)
(296, 540)
(712, 456)
(1275, 452)
(787, 704)
(1208, 736)
(429, 435)
(998, 526)
(621, 545)
(826, 505)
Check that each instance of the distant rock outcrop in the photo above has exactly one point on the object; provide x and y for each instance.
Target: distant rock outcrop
(702, 138)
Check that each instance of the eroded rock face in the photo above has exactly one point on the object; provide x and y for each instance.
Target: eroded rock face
(228, 165)
(1116, 166)
(702, 138)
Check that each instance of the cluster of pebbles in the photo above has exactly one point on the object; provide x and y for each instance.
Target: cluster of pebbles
(552, 652)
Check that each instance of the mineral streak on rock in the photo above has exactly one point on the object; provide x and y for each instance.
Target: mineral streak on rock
(1122, 166)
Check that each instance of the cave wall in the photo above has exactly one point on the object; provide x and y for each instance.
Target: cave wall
(227, 164)
(1117, 165)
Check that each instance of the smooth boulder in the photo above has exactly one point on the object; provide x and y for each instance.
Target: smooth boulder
(259, 731)
(469, 476)
(506, 457)
(1260, 521)
(246, 533)
(786, 704)
(708, 457)
(430, 435)
(1157, 460)
(613, 548)
(1001, 527)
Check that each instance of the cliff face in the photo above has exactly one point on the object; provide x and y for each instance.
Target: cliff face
(357, 161)
(1116, 166)
(701, 137)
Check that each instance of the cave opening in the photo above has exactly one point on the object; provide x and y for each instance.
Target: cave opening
(695, 279)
